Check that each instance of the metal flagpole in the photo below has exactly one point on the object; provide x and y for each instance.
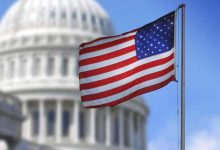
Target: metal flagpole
(182, 146)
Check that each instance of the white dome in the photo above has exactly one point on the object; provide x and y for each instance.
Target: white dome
(68, 14)
(38, 63)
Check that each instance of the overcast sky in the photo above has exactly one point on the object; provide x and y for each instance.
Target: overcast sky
(202, 71)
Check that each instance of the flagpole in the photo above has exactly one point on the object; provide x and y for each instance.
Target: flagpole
(182, 146)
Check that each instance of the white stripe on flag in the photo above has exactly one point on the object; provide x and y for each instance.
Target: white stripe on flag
(120, 70)
(100, 42)
(129, 91)
(107, 50)
(107, 62)
(124, 81)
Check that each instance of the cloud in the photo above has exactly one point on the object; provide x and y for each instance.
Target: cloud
(206, 137)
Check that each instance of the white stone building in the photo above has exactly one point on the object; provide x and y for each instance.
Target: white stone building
(10, 121)
(38, 64)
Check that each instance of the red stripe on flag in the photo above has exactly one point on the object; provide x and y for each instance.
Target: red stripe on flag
(107, 68)
(107, 56)
(119, 89)
(105, 45)
(126, 74)
(137, 93)
(108, 37)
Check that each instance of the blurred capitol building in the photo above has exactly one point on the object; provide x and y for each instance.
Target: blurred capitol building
(38, 65)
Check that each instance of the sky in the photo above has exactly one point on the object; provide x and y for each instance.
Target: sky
(202, 71)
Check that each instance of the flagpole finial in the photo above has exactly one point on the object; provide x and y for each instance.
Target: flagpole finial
(183, 5)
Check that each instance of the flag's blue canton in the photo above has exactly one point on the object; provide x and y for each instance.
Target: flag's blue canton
(156, 37)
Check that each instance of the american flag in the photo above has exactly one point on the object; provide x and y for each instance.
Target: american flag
(118, 68)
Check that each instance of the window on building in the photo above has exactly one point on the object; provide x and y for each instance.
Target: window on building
(36, 39)
(116, 131)
(136, 131)
(76, 69)
(103, 129)
(37, 66)
(135, 124)
(100, 127)
(126, 129)
(93, 20)
(23, 67)
(63, 15)
(82, 129)
(66, 123)
(84, 17)
(52, 14)
(12, 69)
(74, 16)
(63, 18)
(51, 66)
(65, 67)
(51, 38)
(102, 24)
(1, 71)
(51, 123)
(35, 123)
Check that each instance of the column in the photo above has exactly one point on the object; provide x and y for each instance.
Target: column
(101, 127)
(58, 121)
(69, 15)
(58, 65)
(6, 70)
(121, 127)
(44, 66)
(131, 130)
(2, 66)
(17, 64)
(72, 122)
(26, 130)
(92, 126)
(29, 66)
(144, 134)
(71, 69)
(108, 127)
(139, 132)
(76, 122)
(79, 17)
(42, 122)
(90, 23)
(98, 25)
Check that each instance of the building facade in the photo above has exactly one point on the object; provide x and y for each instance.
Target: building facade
(38, 63)
(10, 121)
